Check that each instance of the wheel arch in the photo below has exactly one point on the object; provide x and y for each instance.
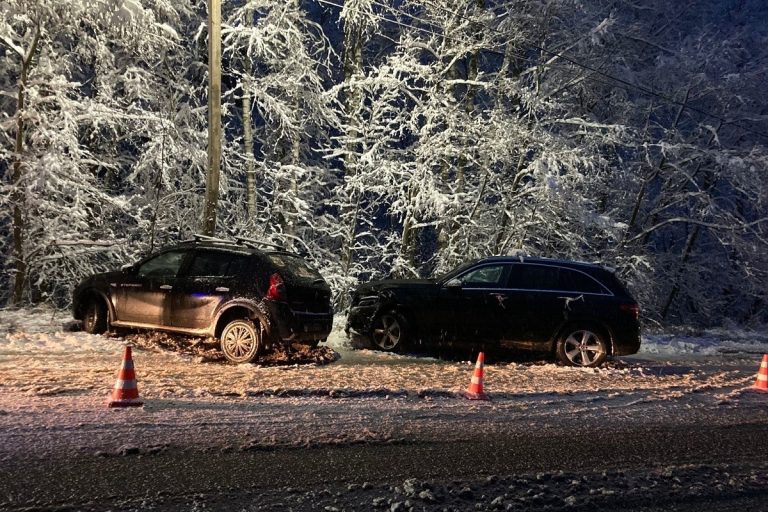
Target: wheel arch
(585, 322)
(88, 295)
(241, 309)
(401, 309)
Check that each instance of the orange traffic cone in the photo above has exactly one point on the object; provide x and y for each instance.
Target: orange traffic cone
(126, 392)
(762, 376)
(475, 390)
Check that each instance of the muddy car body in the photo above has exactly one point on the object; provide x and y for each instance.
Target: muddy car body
(246, 295)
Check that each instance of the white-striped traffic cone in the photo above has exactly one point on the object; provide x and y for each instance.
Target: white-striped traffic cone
(475, 390)
(126, 392)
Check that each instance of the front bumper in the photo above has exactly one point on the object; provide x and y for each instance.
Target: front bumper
(359, 324)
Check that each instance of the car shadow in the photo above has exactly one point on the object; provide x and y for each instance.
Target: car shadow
(471, 354)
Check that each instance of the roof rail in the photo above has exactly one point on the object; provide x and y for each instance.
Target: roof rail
(206, 238)
(252, 242)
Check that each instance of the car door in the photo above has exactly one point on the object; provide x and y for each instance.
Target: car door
(531, 295)
(143, 296)
(479, 306)
(547, 297)
(205, 282)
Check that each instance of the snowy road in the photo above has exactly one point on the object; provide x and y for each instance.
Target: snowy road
(680, 411)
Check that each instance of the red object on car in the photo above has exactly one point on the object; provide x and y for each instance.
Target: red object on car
(276, 289)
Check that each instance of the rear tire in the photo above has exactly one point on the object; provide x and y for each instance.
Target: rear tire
(390, 332)
(240, 341)
(584, 347)
(95, 317)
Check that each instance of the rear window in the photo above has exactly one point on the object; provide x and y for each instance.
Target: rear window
(575, 281)
(293, 265)
(614, 283)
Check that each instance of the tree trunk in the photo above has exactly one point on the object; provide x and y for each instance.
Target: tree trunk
(353, 66)
(655, 173)
(250, 170)
(214, 117)
(676, 286)
(18, 194)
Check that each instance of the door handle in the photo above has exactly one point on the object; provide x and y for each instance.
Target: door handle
(166, 287)
(222, 289)
(501, 298)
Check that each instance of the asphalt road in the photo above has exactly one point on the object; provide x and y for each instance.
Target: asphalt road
(350, 476)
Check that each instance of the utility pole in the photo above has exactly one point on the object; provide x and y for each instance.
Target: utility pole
(214, 117)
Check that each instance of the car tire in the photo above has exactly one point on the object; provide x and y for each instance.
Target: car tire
(389, 332)
(582, 346)
(240, 341)
(95, 317)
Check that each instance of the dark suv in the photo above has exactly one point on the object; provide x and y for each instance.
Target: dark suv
(578, 311)
(245, 293)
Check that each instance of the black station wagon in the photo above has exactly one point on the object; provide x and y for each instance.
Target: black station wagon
(247, 294)
(579, 312)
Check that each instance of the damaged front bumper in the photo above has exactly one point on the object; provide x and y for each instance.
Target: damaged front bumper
(360, 323)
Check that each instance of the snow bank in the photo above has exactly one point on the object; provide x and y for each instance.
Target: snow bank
(709, 342)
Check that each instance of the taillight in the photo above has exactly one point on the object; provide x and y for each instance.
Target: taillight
(276, 289)
(632, 309)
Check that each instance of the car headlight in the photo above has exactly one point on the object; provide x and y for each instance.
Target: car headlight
(368, 300)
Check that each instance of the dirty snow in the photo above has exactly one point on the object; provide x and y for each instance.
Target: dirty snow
(40, 355)
(54, 384)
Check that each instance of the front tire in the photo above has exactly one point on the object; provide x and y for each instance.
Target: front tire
(95, 317)
(240, 341)
(390, 332)
(586, 348)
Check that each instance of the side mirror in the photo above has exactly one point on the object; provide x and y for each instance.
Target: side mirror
(453, 284)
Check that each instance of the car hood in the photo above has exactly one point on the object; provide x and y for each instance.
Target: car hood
(104, 277)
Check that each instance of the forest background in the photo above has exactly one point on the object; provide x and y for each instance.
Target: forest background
(396, 138)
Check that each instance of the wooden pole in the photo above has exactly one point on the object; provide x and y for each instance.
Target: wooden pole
(214, 117)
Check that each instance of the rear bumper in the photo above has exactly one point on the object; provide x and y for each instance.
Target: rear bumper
(292, 325)
(626, 341)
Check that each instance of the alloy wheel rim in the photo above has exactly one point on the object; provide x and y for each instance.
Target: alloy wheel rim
(387, 336)
(90, 317)
(583, 348)
(239, 341)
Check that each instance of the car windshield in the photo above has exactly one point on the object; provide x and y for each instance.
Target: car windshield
(453, 273)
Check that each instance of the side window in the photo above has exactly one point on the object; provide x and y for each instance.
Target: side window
(209, 263)
(534, 277)
(238, 265)
(573, 281)
(164, 265)
(217, 263)
(488, 276)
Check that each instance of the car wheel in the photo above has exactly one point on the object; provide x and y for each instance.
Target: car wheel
(389, 332)
(582, 347)
(95, 318)
(240, 341)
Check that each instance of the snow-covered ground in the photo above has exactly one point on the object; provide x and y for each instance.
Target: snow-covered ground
(54, 384)
(41, 355)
